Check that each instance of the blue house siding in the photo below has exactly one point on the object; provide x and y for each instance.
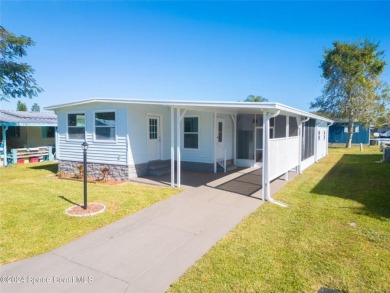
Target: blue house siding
(338, 135)
(130, 149)
(103, 152)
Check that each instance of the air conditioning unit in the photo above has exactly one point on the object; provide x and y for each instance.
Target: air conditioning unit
(386, 154)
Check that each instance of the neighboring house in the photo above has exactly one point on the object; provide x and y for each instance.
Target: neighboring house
(384, 127)
(26, 130)
(130, 136)
(338, 133)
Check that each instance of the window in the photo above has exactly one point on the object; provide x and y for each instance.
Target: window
(191, 135)
(280, 126)
(324, 135)
(105, 126)
(153, 131)
(271, 132)
(355, 129)
(292, 126)
(76, 126)
(220, 128)
(272, 128)
(308, 138)
(13, 132)
(48, 132)
(319, 135)
(245, 136)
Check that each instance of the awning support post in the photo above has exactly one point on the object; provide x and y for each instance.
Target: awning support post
(178, 155)
(215, 142)
(266, 189)
(172, 147)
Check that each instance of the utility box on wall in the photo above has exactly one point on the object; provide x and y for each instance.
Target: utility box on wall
(386, 154)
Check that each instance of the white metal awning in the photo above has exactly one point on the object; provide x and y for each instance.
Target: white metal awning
(206, 106)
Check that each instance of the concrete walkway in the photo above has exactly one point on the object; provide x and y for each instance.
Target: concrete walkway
(145, 252)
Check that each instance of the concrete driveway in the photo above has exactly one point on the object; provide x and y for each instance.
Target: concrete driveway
(145, 252)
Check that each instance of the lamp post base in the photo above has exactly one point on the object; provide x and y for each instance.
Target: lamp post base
(79, 211)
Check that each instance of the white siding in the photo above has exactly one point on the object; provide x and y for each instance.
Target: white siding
(205, 151)
(131, 144)
(283, 155)
(228, 135)
(138, 131)
(322, 142)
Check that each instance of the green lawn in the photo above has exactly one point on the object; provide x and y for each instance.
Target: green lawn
(335, 233)
(33, 204)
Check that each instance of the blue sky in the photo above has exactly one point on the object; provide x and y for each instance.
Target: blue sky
(187, 50)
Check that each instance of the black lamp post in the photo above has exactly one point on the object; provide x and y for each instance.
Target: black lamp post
(85, 147)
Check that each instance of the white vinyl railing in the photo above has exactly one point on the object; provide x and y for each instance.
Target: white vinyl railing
(282, 155)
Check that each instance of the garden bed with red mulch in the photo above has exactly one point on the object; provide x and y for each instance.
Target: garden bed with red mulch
(92, 209)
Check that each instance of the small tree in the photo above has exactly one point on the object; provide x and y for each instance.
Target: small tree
(35, 108)
(353, 89)
(253, 98)
(21, 107)
(16, 78)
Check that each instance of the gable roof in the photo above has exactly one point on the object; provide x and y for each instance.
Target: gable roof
(234, 107)
(21, 118)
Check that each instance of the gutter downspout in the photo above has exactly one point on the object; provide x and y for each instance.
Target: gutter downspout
(266, 192)
(300, 143)
(264, 159)
(215, 141)
(316, 141)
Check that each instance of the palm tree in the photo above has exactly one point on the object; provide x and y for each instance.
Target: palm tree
(252, 98)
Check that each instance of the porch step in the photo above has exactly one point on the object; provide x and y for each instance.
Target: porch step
(229, 168)
(159, 168)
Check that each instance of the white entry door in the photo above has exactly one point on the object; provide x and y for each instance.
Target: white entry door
(154, 138)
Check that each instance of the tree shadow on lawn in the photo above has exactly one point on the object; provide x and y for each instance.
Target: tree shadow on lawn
(361, 178)
(53, 168)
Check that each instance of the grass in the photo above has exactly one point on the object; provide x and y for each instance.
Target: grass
(33, 204)
(335, 233)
